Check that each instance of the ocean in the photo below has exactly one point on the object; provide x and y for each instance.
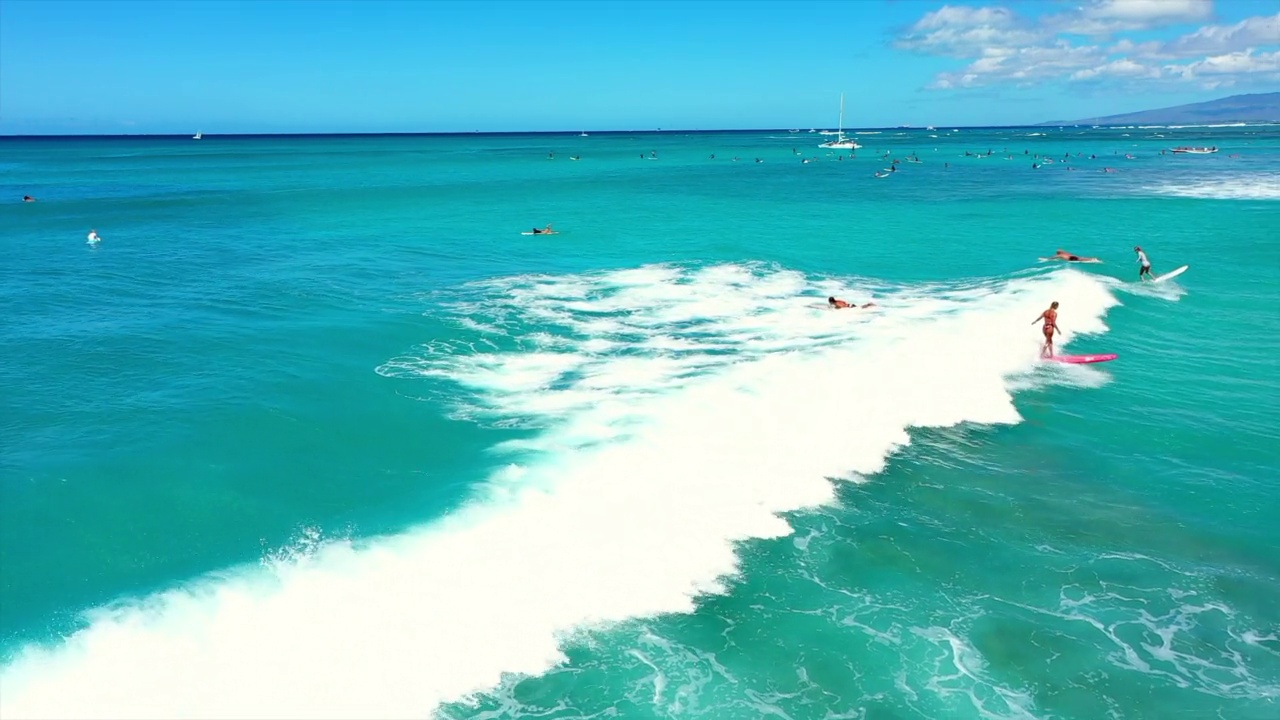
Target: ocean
(316, 432)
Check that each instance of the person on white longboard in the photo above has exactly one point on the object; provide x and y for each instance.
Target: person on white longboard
(1050, 318)
(1145, 272)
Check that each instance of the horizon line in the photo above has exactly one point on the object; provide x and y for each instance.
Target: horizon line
(577, 133)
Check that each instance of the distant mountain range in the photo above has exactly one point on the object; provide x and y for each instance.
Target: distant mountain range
(1260, 107)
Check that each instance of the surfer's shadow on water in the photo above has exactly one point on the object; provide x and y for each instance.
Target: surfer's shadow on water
(1170, 290)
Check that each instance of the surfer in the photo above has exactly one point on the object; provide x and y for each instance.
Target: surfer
(28, 198)
(839, 304)
(1064, 255)
(1145, 272)
(544, 231)
(1050, 318)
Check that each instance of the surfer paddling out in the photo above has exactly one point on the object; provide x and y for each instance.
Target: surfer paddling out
(840, 304)
(1050, 318)
(1064, 255)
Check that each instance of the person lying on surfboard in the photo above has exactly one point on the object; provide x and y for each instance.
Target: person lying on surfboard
(1064, 255)
(544, 231)
(838, 304)
(1050, 318)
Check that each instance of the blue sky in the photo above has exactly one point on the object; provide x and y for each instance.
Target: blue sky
(437, 66)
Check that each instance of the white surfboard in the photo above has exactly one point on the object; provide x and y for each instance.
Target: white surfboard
(1171, 274)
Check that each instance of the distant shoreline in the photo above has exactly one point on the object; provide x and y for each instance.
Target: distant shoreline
(1261, 108)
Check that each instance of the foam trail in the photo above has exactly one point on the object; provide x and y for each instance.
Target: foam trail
(1256, 186)
(693, 426)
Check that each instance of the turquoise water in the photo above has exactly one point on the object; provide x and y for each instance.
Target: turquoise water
(315, 432)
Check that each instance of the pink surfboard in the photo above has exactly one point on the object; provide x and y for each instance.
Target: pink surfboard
(1082, 359)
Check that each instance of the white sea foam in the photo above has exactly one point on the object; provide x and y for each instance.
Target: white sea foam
(1263, 186)
(679, 410)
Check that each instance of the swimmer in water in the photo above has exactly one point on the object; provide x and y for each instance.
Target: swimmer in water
(28, 198)
(840, 304)
(1050, 318)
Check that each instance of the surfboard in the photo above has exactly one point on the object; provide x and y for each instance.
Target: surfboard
(526, 232)
(1082, 359)
(1171, 274)
(1094, 260)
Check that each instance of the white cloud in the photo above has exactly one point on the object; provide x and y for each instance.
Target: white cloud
(1122, 68)
(1022, 66)
(1004, 48)
(1248, 33)
(1102, 18)
(963, 31)
(1225, 69)
(964, 15)
(1125, 46)
(1149, 13)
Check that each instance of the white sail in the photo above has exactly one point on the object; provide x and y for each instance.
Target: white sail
(841, 142)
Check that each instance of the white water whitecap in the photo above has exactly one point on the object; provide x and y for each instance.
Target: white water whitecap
(1253, 186)
(652, 462)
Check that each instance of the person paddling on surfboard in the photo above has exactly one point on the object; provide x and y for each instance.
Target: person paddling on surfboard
(544, 231)
(1064, 255)
(1145, 272)
(838, 304)
(1050, 318)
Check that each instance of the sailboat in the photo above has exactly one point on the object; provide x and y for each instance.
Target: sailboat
(841, 142)
(197, 136)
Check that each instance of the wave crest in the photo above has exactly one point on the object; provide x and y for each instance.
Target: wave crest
(681, 410)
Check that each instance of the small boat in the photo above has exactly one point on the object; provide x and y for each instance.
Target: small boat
(1196, 150)
(198, 136)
